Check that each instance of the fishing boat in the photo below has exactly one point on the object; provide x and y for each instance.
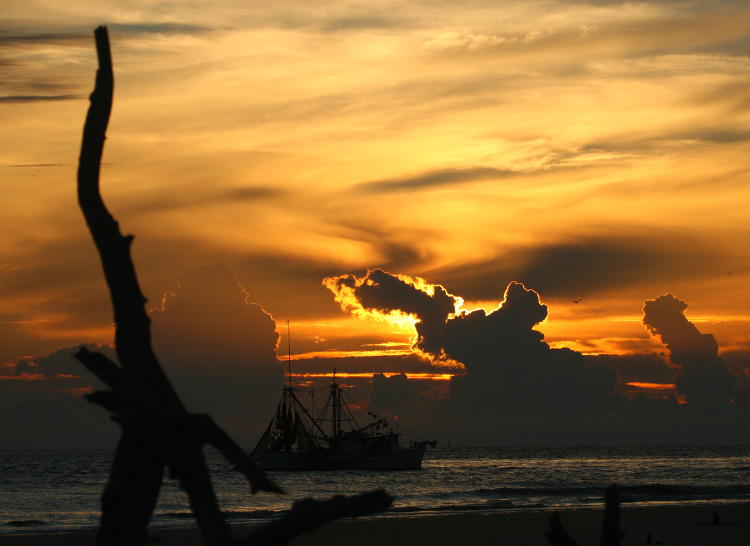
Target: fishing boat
(306, 438)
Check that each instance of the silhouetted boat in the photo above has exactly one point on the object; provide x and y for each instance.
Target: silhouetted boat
(296, 440)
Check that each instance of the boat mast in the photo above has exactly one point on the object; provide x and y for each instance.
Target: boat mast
(289, 354)
(334, 408)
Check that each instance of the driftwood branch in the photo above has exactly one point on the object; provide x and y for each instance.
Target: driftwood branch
(158, 433)
(102, 367)
(557, 535)
(208, 432)
(611, 534)
(308, 514)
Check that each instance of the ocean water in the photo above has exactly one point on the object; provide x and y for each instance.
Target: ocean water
(52, 491)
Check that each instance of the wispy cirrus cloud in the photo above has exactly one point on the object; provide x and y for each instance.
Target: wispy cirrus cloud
(25, 40)
(183, 198)
(436, 178)
(589, 265)
(37, 98)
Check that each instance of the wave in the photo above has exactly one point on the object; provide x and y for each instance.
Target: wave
(24, 523)
(644, 491)
(229, 514)
(462, 507)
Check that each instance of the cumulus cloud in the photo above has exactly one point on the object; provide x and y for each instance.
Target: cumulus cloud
(219, 350)
(59, 364)
(703, 377)
(508, 365)
(394, 395)
(517, 389)
(217, 347)
(384, 295)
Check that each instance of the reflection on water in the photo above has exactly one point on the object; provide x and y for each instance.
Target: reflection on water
(60, 489)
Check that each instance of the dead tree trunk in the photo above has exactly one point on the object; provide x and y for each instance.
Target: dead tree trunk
(157, 430)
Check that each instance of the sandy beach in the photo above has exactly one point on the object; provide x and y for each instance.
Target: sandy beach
(684, 525)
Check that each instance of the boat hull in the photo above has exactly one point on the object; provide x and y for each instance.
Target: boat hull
(404, 459)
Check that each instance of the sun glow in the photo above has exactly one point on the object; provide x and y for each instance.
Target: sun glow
(651, 386)
(369, 375)
(346, 354)
(344, 289)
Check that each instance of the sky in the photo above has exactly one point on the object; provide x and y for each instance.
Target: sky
(265, 156)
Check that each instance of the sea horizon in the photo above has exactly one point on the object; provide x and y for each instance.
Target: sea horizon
(51, 491)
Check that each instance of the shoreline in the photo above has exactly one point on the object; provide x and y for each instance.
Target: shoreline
(671, 524)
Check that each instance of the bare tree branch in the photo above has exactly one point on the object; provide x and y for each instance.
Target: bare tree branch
(309, 514)
(157, 431)
(156, 428)
(102, 367)
(611, 534)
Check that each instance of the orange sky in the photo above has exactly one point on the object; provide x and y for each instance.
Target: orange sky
(595, 151)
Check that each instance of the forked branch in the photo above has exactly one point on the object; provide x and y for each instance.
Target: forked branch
(157, 431)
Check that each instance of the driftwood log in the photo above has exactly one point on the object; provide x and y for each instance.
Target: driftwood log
(158, 433)
(611, 534)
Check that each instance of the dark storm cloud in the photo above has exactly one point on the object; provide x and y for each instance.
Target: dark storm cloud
(703, 377)
(592, 264)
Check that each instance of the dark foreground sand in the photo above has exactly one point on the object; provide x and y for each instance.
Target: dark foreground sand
(667, 525)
